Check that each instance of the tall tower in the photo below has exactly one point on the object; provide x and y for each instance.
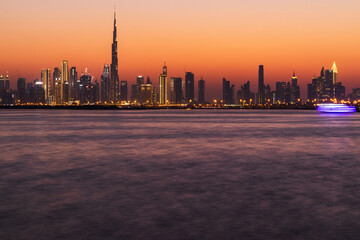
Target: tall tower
(7, 82)
(201, 89)
(114, 79)
(72, 84)
(163, 85)
(335, 72)
(105, 82)
(64, 80)
(189, 87)
(261, 87)
(46, 82)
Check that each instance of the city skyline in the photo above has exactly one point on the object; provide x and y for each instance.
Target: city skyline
(211, 65)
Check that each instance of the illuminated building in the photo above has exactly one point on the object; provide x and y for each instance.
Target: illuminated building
(7, 82)
(335, 72)
(46, 82)
(163, 86)
(64, 80)
(139, 81)
(326, 87)
(282, 92)
(295, 90)
(105, 84)
(56, 79)
(21, 90)
(146, 94)
(155, 96)
(87, 94)
(39, 93)
(114, 78)
(73, 84)
(134, 93)
(148, 81)
(189, 87)
(245, 94)
(123, 91)
(2, 82)
(261, 86)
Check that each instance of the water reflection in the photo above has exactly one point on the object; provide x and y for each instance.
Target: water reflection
(179, 175)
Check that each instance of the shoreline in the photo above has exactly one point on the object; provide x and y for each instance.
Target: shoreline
(137, 108)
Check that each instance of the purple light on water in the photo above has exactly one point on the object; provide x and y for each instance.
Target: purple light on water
(335, 108)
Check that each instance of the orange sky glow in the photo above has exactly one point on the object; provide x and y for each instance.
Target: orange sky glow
(212, 38)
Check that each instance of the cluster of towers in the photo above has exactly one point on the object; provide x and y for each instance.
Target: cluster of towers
(64, 87)
(285, 92)
(326, 87)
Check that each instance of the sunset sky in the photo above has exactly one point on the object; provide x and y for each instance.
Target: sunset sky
(212, 38)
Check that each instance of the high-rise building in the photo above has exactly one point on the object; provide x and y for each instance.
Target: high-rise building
(281, 92)
(56, 79)
(189, 87)
(86, 89)
(46, 82)
(39, 93)
(105, 84)
(335, 72)
(146, 94)
(64, 80)
(261, 86)
(176, 93)
(7, 82)
(114, 78)
(2, 82)
(295, 90)
(245, 94)
(226, 91)
(134, 93)
(139, 81)
(123, 91)
(201, 91)
(96, 91)
(73, 84)
(21, 90)
(163, 86)
(148, 81)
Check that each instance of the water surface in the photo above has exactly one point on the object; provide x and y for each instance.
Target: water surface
(214, 174)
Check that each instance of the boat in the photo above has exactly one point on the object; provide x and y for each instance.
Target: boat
(335, 108)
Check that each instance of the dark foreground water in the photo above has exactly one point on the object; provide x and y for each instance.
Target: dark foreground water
(179, 175)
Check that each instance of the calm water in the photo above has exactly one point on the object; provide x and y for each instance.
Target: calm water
(179, 175)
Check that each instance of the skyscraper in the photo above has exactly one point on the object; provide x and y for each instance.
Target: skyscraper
(295, 90)
(123, 91)
(105, 84)
(163, 86)
(56, 78)
(72, 85)
(7, 82)
(189, 87)
(140, 80)
(21, 90)
(46, 82)
(176, 94)
(2, 83)
(201, 89)
(261, 86)
(335, 72)
(64, 81)
(114, 79)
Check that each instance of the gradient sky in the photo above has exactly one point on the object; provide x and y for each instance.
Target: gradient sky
(212, 38)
